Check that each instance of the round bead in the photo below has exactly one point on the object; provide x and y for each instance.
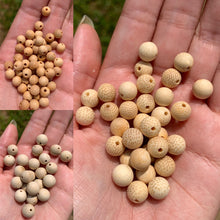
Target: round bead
(22, 160)
(32, 188)
(142, 68)
(27, 95)
(16, 81)
(118, 126)
(39, 182)
(38, 34)
(145, 103)
(45, 11)
(165, 166)
(49, 37)
(51, 168)
(9, 74)
(38, 25)
(28, 51)
(176, 144)
(138, 119)
(58, 33)
(20, 195)
(109, 111)
(21, 39)
(25, 63)
(19, 48)
(42, 139)
(58, 71)
(55, 150)
(18, 56)
(33, 163)
(58, 62)
(125, 157)
(40, 71)
(61, 48)
(202, 89)
(158, 188)
(163, 133)
(162, 114)
(137, 192)
(48, 65)
(34, 104)
(44, 92)
(181, 111)
(33, 65)
(122, 175)
(37, 150)
(43, 195)
(65, 156)
(27, 73)
(27, 176)
(183, 62)
(29, 43)
(50, 73)
(40, 172)
(52, 86)
(49, 181)
(164, 96)
(24, 105)
(148, 51)
(18, 170)
(39, 41)
(44, 102)
(33, 80)
(114, 146)
(16, 182)
(51, 56)
(146, 175)
(54, 44)
(35, 90)
(8, 65)
(145, 83)
(171, 78)
(90, 98)
(28, 211)
(127, 90)
(22, 88)
(12, 149)
(106, 92)
(85, 116)
(32, 200)
(132, 138)
(44, 158)
(18, 65)
(128, 110)
(30, 34)
(42, 50)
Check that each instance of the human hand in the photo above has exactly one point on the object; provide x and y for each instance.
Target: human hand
(59, 129)
(61, 17)
(174, 26)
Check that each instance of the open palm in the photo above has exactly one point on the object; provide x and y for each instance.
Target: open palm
(59, 131)
(174, 26)
(61, 17)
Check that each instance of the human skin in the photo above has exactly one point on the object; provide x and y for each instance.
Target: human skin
(61, 17)
(59, 129)
(174, 26)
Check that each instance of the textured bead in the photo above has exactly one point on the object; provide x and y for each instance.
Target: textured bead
(181, 111)
(164, 96)
(128, 110)
(125, 157)
(109, 111)
(49, 181)
(24, 104)
(148, 51)
(165, 166)
(65, 156)
(176, 144)
(21, 39)
(106, 92)
(58, 33)
(146, 175)
(27, 176)
(9, 160)
(51, 168)
(58, 62)
(28, 211)
(30, 34)
(171, 78)
(60, 48)
(19, 48)
(90, 98)
(58, 71)
(22, 160)
(118, 126)
(138, 119)
(55, 150)
(85, 116)
(145, 83)
(12, 149)
(9, 74)
(42, 139)
(44, 158)
(145, 103)
(8, 65)
(162, 114)
(32, 188)
(37, 150)
(38, 25)
(142, 68)
(18, 65)
(114, 146)
(202, 89)
(16, 182)
(45, 11)
(163, 133)
(35, 90)
(44, 91)
(132, 138)
(43, 195)
(183, 62)
(49, 37)
(33, 163)
(44, 102)
(127, 90)
(22, 88)
(20, 195)
(52, 86)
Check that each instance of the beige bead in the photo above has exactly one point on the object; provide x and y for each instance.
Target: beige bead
(202, 89)
(21, 39)
(137, 192)
(142, 68)
(58, 71)
(171, 78)
(18, 170)
(19, 73)
(165, 166)
(49, 181)
(145, 83)
(45, 11)
(19, 48)
(28, 211)
(41, 57)
(183, 62)
(32, 58)
(18, 56)
(44, 102)
(42, 50)
(162, 114)
(24, 105)
(16, 182)
(42, 139)
(35, 49)
(27, 176)
(158, 188)
(48, 65)
(146, 175)
(40, 71)
(106, 92)
(16, 81)
(125, 157)
(8, 65)
(157, 147)
(58, 33)
(39, 41)
(54, 44)
(35, 90)
(148, 51)
(38, 34)
(140, 159)
(90, 98)
(28, 51)
(32, 188)
(9, 74)
(22, 160)
(163, 133)
(60, 48)
(33, 65)
(30, 34)
(18, 65)
(38, 25)
(180, 111)
(132, 138)
(127, 90)
(52, 86)
(122, 175)
(44, 158)
(138, 119)
(128, 110)
(33, 80)
(109, 111)
(37, 150)
(51, 56)
(145, 103)
(25, 63)
(49, 37)
(85, 116)
(43, 195)
(164, 96)
(39, 182)
(33, 163)
(65, 156)
(33, 200)
(29, 43)
(22, 88)
(44, 91)
(58, 62)
(118, 126)
(26, 73)
(55, 150)
(176, 144)
(51, 168)
(9, 160)
(114, 146)
(12, 149)
(40, 172)
(150, 127)
(34, 104)
(20, 195)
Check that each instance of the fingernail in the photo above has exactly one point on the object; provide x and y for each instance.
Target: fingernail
(13, 122)
(87, 20)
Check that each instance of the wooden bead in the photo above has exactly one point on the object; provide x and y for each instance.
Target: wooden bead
(52, 86)
(51, 168)
(40, 71)
(45, 11)
(176, 144)
(40, 64)
(25, 63)
(12, 149)
(125, 157)
(49, 48)
(38, 25)
(138, 119)
(49, 181)
(29, 43)
(106, 92)
(55, 150)
(132, 138)
(34, 104)
(26, 73)
(127, 90)
(44, 102)
(39, 182)
(39, 41)
(35, 50)
(145, 103)
(148, 51)
(163, 133)
(171, 78)
(24, 104)
(27, 176)
(128, 110)
(114, 146)
(33, 58)
(30, 34)
(21, 39)
(28, 211)
(90, 98)
(164, 96)
(118, 126)
(43, 81)
(58, 62)
(32, 188)
(51, 56)
(65, 156)
(28, 51)
(33, 80)
(38, 34)
(9, 160)
(162, 114)
(37, 150)
(22, 88)
(19, 48)
(50, 73)
(109, 111)
(60, 48)
(202, 89)
(22, 159)
(49, 64)
(42, 50)
(25, 81)
(33, 163)
(181, 111)
(183, 62)
(18, 65)
(44, 158)
(85, 116)
(20, 195)
(40, 172)
(142, 68)
(58, 71)
(54, 45)
(165, 166)
(18, 170)
(49, 37)
(18, 56)
(42, 139)
(9, 74)
(44, 91)
(16, 182)
(58, 33)
(146, 175)
(43, 195)
(35, 90)
(8, 65)
(145, 83)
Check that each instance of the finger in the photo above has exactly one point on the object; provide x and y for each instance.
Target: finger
(175, 30)
(36, 126)
(87, 60)
(10, 136)
(136, 25)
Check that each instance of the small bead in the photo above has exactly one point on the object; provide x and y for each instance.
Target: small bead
(40, 172)
(19, 48)
(183, 62)
(44, 158)
(128, 110)
(9, 74)
(22, 88)
(132, 138)
(33, 163)
(22, 160)
(162, 114)
(49, 181)
(109, 111)
(39, 41)
(25, 63)
(12, 149)
(176, 144)
(60, 48)
(114, 146)
(163, 133)
(51, 168)
(35, 90)
(40, 71)
(27, 176)
(202, 89)
(90, 98)
(58, 62)
(55, 150)
(43, 195)
(49, 37)
(18, 56)
(118, 126)
(33, 80)
(34, 104)
(165, 166)
(28, 51)
(138, 119)
(30, 34)
(37, 150)
(52, 86)
(44, 102)
(142, 68)
(35, 50)
(18, 170)
(148, 51)
(106, 92)
(42, 139)
(24, 105)
(20, 195)
(85, 116)
(127, 90)
(43, 81)
(27, 73)
(8, 65)
(145, 83)
(9, 160)
(125, 157)
(42, 50)
(33, 58)
(32, 188)
(16, 182)
(45, 11)
(58, 71)
(18, 65)
(21, 39)
(50, 73)
(146, 175)
(164, 96)
(32, 200)
(51, 56)
(181, 111)
(44, 92)
(38, 25)
(48, 65)
(38, 34)
(65, 156)
(171, 78)
(29, 43)
(145, 103)
(58, 33)
(54, 45)
(28, 211)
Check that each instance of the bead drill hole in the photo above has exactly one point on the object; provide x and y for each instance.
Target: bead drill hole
(153, 128)
(151, 80)
(177, 81)
(31, 210)
(165, 113)
(86, 93)
(45, 161)
(117, 143)
(147, 106)
(107, 106)
(45, 90)
(139, 68)
(160, 150)
(183, 105)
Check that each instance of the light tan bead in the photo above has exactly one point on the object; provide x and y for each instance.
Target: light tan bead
(60, 48)
(43, 81)
(35, 90)
(12, 149)
(137, 192)
(109, 111)
(39, 182)
(33, 80)
(171, 78)
(44, 91)
(55, 150)
(65, 156)
(138, 119)
(9, 160)
(183, 62)
(145, 83)
(145, 103)
(24, 105)
(50, 73)
(114, 146)
(146, 175)
(32, 200)
(49, 64)
(148, 51)
(51, 168)
(165, 166)
(25, 63)
(38, 34)
(8, 65)
(58, 71)
(38, 25)
(28, 211)
(51, 56)
(16, 182)
(125, 157)
(9, 74)
(90, 98)
(49, 37)
(40, 71)
(44, 158)
(35, 49)
(40, 64)
(29, 43)
(163, 133)
(164, 96)
(19, 48)
(58, 62)
(157, 147)
(158, 188)
(42, 139)
(34, 104)
(140, 159)
(18, 170)
(18, 56)
(43, 195)
(58, 33)
(106, 92)
(127, 90)
(27, 176)
(162, 114)
(132, 138)
(32, 58)
(142, 68)
(26, 73)
(85, 116)
(21, 39)
(30, 34)
(122, 175)
(181, 111)
(150, 127)
(22, 88)
(19, 73)
(18, 65)
(22, 160)
(44, 102)
(49, 181)
(39, 41)
(54, 44)
(37, 97)
(49, 48)
(20, 195)
(52, 86)
(118, 126)
(128, 110)
(45, 11)
(33, 163)
(42, 50)
(32, 188)
(40, 172)
(202, 89)
(25, 81)
(28, 51)
(176, 144)
(37, 150)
